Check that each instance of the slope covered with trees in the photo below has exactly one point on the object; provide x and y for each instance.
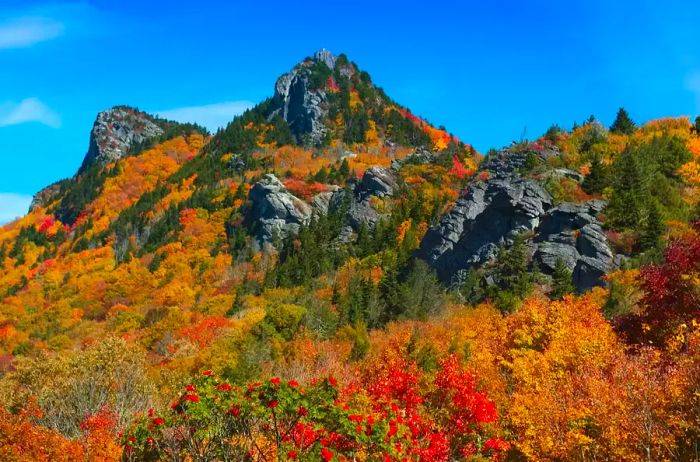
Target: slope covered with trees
(144, 315)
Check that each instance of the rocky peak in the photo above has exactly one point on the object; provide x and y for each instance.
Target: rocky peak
(326, 57)
(299, 103)
(115, 132)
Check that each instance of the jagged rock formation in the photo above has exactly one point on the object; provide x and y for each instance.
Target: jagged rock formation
(573, 233)
(275, 211)
(491, 213)
(45, 196)
(488, 215)
(300, 103)
(376, 182)
(115, 132)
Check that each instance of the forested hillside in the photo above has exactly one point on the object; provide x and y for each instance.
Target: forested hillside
(332, 277)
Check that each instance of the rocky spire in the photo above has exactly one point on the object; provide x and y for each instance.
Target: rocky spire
(115, 132)
(326, 57)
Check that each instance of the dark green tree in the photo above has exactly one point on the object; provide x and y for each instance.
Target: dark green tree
(598, 178)
(360, 342)
(561, 280)
(630, 192)
(344, 170)
(697, 124)
(653, 228)
(513, 280)
(623, 123)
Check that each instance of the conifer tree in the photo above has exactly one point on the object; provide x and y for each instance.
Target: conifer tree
(597, 180)
(623, 123)
(561, 280)
(631, 193)
(344, 170)
(653, 228)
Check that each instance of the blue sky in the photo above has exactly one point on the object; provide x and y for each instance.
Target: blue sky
(488, 71)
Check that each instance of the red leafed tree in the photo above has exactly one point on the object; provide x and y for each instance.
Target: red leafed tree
(458, 169)
(672, 294)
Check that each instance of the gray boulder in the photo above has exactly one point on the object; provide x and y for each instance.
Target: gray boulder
(377, 181)
(275, 212)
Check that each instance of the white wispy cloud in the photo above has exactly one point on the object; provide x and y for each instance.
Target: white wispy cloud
(211, 116)
(28, 110)
(13, 206)
(27, 31)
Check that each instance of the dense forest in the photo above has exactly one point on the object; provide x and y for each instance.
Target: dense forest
(260, 294)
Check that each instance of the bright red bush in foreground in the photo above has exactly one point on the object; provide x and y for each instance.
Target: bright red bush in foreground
(391, 419)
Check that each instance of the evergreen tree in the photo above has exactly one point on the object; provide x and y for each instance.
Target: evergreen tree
(597, 180)
(344, 170)
(623, 123)
(697, 124)
(321, 176)
(472, 288)
(360, 343)
(653, 228)
(561, 280)
(237, 305)
(513, 280)
(630, 192)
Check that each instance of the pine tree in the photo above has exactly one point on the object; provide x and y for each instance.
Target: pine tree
(630, 192)
(360, 343)
(597, 180)
(561, 280)
(237, 305)
(653, 228)
(623, 123)
(697, 124)
(344, 170)
(513, 279)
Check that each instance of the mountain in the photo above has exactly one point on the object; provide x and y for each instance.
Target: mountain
(331, 261)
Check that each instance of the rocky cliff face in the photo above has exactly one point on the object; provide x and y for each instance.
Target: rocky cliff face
(573, 233)
(45, 196)
(491, 213)
(115, 132)
(275, 211)
(300, 103)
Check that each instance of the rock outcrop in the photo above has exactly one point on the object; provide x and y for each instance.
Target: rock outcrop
(45, 196)
(300, 104)
(488, 215)
(491, 213)
(376, 182)
(115, 132)
(275, 211)
(573, 233)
